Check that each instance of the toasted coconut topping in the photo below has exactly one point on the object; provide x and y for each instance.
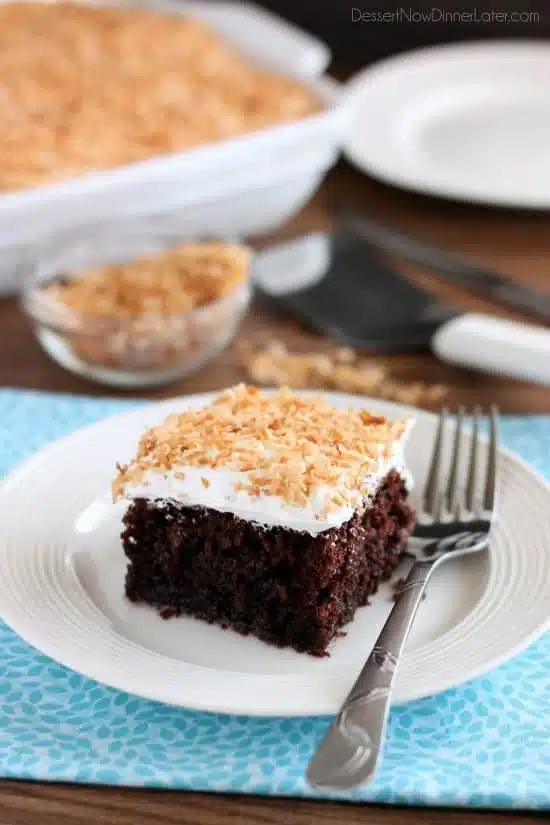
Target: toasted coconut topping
(288, 445)
(171, 283)
(87, 88)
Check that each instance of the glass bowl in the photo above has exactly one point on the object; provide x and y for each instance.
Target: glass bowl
(118, 350)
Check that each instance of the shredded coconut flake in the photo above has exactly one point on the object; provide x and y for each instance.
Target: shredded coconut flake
(289, 445)
(171, 283)
(87, 88)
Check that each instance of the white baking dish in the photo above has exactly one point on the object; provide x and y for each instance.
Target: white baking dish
(237, 187)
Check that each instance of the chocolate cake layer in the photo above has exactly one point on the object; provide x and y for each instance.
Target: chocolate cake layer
(285, 587)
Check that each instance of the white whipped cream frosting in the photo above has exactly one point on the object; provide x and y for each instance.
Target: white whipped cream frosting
(184, 485)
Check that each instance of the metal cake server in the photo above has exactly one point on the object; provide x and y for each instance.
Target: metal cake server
(451, 523)
(341, 285)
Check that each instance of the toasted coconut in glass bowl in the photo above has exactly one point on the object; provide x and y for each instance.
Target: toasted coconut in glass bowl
(134, 309)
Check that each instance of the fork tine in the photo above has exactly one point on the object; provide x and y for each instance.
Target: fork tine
(490, 484)
(472, 469)
(431, 492)
(452, 487)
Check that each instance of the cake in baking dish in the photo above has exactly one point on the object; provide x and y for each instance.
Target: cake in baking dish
(86, 88)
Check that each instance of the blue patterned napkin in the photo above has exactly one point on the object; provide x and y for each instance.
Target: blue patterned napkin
(486, 744)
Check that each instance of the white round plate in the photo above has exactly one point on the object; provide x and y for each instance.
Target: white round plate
(468, 121)
(62, 589)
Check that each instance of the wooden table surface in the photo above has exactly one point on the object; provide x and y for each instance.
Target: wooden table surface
(516, 244)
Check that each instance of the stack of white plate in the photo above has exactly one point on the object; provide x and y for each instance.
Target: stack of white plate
(468, 121)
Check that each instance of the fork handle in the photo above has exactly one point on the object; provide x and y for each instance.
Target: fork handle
(349, 752)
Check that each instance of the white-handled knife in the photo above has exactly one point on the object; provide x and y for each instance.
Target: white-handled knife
(339, 286)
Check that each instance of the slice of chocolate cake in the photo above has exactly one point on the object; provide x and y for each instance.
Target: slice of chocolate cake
(275, 514)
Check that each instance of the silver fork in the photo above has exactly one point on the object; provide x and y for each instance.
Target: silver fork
(454, 519)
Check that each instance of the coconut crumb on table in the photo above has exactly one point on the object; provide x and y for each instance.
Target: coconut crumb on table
(343, 371)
